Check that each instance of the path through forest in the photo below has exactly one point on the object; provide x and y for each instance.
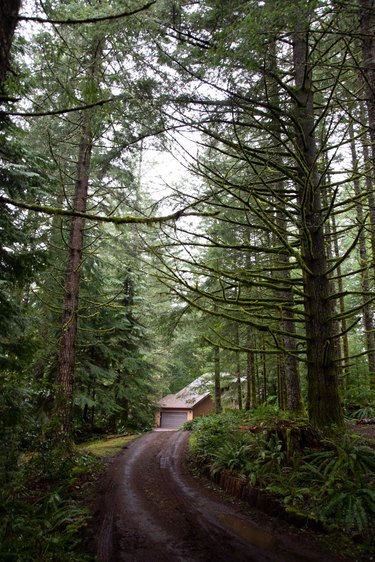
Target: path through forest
(152, 509)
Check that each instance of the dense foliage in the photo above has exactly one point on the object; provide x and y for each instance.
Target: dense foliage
(324, 479)
(253, 256)
(45, 506)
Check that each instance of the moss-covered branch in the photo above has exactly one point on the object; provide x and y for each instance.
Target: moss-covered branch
(126, 219)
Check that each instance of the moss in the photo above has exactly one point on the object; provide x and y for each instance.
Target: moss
(107, 448)
(126, 219)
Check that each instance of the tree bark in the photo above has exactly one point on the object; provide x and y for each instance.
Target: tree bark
(333, 252)
(69, 319)
(368, 318)
(238, 368)
(281, 383)
(264, 391)
(67, 343)
(9, 10)
(369, 172)
(323, 397)
(342, 325)
(217, 385)
(250, 374)
(367, 77)
(367, 24)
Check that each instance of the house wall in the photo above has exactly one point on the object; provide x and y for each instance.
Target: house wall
(203, 408)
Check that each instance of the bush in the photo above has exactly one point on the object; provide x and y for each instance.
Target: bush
(43, 512)
(359, 403)
(343, 472)
(331, 480)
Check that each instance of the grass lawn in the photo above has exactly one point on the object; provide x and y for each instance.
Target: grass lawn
(107, 448)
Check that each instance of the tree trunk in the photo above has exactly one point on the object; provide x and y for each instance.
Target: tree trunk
(282, 392)
(248, 381)
(217, 385)
(367, 77)
(9, 10)
(263, 359)
(93, 412)
(238, 368)
(294, 401)
(289, 369)
(369, 172)
(343, 323)
(333, 252)
(254, 400)
(67, 343)
(249, 371)
(367, 23)
(69, 320)
(323, 397)
(368, 319)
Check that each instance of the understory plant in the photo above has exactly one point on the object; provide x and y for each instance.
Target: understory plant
(253, 456)
(43, 508)
(359, 403)
(331, 480)
(343, 472)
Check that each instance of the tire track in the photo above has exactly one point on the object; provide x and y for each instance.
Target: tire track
(154, 511)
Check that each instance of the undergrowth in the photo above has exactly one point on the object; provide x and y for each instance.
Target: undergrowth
(44, 496)
(44, 505)
(330, 480)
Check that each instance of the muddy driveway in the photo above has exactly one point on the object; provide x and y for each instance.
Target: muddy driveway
(152, 510)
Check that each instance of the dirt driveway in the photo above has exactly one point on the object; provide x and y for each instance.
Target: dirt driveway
(152, 510)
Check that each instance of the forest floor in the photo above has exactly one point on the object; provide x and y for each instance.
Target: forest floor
(365, 430)
(150, 508)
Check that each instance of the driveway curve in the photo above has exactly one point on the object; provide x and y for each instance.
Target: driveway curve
(153, 510)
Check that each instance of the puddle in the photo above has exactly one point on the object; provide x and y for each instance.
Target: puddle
(255, 536)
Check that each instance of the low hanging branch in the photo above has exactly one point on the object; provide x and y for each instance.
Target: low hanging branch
(126, 219)
(70, 21)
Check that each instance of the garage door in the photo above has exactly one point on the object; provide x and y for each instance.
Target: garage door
(172, 420)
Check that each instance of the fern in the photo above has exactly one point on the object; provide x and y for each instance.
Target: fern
(235, 457)
(355, 508)
(346, 459)
(363, 413)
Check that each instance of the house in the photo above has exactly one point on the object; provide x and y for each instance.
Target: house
(192, 401)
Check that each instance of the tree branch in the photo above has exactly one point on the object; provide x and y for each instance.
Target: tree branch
(55, 111)
(87, 20)
(127, 219)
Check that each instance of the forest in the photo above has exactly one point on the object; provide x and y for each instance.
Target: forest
(186, 187)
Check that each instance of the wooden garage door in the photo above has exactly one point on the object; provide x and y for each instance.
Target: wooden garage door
(172, 420)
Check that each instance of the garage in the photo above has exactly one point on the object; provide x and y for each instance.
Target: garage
(173, 410)
(172, 420)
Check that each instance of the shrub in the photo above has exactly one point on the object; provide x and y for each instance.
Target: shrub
(353, 507)
(43, 512)
(332, 481)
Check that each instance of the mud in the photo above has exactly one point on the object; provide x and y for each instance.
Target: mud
(151, 509)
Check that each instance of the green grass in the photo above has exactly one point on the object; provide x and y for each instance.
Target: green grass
(107, 448)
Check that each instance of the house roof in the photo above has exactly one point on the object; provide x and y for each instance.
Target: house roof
(188, 397)
(193, 393)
